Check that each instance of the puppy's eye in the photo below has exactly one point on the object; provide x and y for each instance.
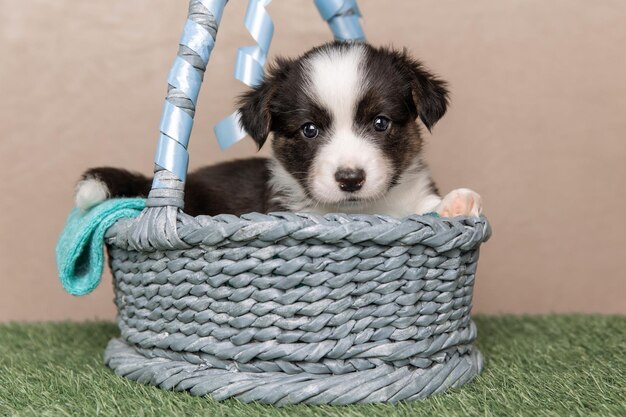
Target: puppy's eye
(310, 130)
(381, 123)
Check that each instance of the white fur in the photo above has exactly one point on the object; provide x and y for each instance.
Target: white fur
(461, 202)
(336, 80)
(286, 190)
(412, 195)
(348, 150)
(90, 192)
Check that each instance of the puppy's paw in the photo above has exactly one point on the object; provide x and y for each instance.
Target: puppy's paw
(90, 192)
(460, 202)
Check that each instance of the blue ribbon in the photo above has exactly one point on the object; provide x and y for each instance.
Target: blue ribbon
(342, 17)
(248, 67)
(176, 123)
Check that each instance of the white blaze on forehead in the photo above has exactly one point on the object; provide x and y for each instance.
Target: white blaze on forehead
(336, 80)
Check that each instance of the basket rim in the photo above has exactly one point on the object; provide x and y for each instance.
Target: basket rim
(440, 234)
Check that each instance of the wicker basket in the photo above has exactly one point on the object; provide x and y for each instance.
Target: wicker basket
(289, 308)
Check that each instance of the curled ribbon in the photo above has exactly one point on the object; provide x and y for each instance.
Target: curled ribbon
(248, 66)
(343, 18)
(197, 42)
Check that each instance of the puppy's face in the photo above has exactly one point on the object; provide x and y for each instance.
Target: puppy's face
(344, 118)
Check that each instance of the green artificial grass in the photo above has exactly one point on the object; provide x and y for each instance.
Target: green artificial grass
(534, 366)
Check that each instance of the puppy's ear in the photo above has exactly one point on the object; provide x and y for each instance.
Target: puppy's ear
(430, 94)
(255, 104)
(255, 113)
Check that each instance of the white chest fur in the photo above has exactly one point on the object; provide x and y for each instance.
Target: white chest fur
(412, 195)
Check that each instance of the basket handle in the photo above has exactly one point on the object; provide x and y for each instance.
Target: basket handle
(185, 78)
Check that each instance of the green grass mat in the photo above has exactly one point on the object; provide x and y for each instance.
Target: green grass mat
(534, 366)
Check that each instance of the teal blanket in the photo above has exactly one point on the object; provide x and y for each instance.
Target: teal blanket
(80, 252)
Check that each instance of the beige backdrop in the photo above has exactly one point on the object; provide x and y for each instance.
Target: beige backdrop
(536, 126)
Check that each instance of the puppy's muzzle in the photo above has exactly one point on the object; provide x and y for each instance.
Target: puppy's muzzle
(350, 180)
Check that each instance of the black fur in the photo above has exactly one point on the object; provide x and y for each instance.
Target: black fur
(398, 87)
(254, 105)
(430, 94)
(120, 182)
(234, 187)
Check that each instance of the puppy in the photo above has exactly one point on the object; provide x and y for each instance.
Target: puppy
(345, 139)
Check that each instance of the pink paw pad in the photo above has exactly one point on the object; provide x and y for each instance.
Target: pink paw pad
(460, 202)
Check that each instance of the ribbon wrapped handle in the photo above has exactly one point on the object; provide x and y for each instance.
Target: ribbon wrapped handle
(185, 79)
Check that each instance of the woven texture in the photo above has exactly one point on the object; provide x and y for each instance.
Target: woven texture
(289, 308)
(286, 308)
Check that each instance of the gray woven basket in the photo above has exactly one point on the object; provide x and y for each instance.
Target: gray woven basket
(290, 308)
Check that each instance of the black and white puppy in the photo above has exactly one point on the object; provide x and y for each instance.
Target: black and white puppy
(345, 139)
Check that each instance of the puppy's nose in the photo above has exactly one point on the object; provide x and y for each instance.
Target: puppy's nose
(349, 179)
